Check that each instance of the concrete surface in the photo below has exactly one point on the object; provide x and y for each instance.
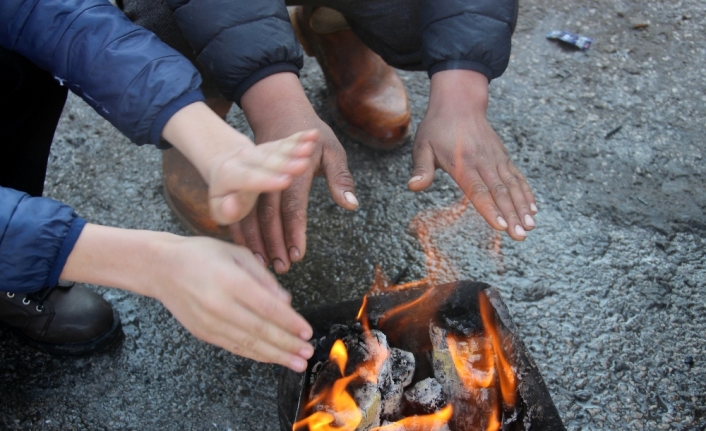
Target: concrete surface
(608, 291)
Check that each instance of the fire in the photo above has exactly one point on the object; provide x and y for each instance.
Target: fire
(480, 360)
(347, 415)
(508, 383)
(432, 422)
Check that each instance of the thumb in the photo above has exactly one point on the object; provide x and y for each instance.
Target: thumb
(339, 179)
(424, 166)
(228, 209)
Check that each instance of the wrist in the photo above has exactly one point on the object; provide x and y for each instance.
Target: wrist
(122, 258)
(202, 136)
(274, 99)
(459, 91)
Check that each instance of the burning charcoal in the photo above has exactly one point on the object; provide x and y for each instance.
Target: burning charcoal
(325, 378)
(460, 321)
(467, 377)
(367, 397)
(423, 398)
(393, 383)
(392, 426)
(402, 363)
(392, 403)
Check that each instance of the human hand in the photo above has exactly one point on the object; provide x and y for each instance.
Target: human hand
(275, 231)
(217, 290)
(455, 136)
(235, 170)
(238, 176)
(223, 296)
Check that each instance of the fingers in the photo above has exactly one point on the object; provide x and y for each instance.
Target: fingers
(269, 215)
(261, 327)
(524, 185)
(424, 166)
(258, 271)
(334, 164)
(290, 155)
(252, 237)
(294, 202)
(499, 197)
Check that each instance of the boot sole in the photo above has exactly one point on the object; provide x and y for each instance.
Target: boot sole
(75, 349)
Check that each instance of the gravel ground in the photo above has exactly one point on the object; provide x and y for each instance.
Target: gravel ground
(608, 291)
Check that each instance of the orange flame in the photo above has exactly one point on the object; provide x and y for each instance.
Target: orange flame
(346, 416)
(432, 422)
(473, 359)
(508, 383)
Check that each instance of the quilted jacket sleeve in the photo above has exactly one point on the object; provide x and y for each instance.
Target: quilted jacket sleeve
(467, 34)
(239, 42)
(122, 70)
(36, 237)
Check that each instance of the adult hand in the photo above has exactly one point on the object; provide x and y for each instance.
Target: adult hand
(275, 231)
(455, 136)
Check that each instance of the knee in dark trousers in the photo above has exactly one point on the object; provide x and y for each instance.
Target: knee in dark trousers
(31, 101)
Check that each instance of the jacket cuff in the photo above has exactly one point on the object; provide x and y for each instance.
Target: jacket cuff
(463, 65)
(263, 73)
(161, 120)
(66, 248)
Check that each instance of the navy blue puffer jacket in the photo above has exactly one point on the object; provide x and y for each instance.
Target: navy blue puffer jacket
(123, 71)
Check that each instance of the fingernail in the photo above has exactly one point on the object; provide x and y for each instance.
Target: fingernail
(350, 197)
(298, 364)
(294, 254)
(306, 335)
(519, 231)
(501, 221)
(261, 259)
(533, 208)
(306, 352)
(529, 221)
(279, 266)
(415, 179)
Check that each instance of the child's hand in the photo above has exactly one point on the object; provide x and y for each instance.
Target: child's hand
(218, 291)
(237, 177)
(456, 137)
(223, 296)
(235, 170)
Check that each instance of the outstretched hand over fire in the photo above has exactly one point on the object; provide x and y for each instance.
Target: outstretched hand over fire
(455, 136)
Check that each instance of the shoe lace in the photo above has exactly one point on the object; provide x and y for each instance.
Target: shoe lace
(41, 295)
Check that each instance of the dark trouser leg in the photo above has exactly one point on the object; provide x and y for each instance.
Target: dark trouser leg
(31, 101)
(60, 321)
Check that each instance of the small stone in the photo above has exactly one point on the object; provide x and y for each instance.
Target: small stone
(582, 396)
(689, 361)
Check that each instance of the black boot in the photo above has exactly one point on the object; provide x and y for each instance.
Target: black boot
(63, 321)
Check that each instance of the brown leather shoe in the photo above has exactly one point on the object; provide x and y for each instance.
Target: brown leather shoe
(186, 192)
(61, 321)
(367, 97)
